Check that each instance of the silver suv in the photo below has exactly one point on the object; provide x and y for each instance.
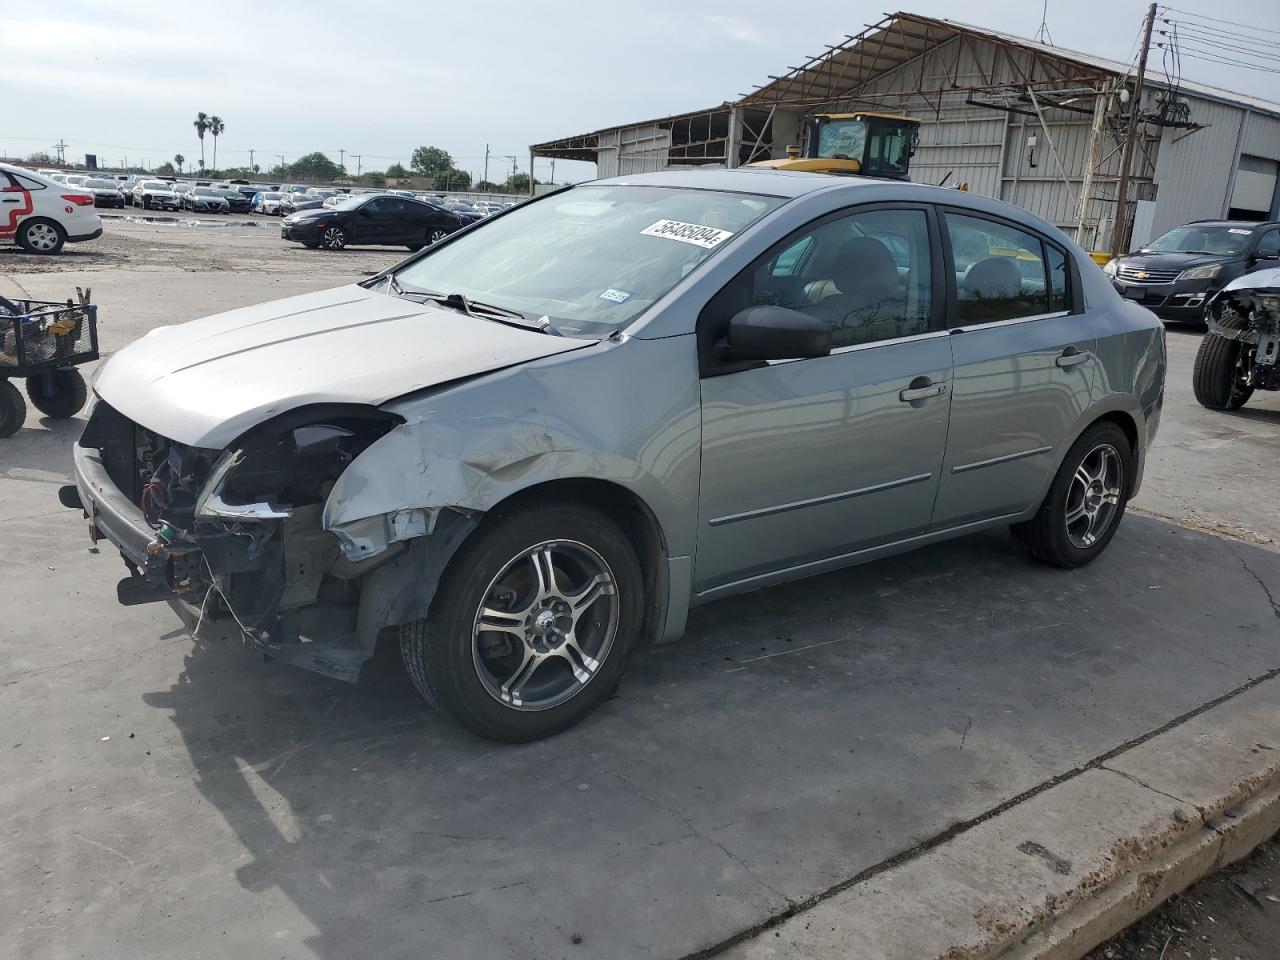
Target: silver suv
(528, 450)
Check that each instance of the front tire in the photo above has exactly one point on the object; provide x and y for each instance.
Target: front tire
(60, 394)
(1218, 377)
(1085, 502)
(532, 625)
(333, 238)
(13, 409)
(42, 237)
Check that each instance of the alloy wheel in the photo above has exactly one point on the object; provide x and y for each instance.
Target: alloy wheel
(42, 237)
(1093, 496)
(334, 238)
(437, 235)
(546, 624)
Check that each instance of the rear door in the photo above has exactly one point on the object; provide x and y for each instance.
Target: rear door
(1023, 352)
(15, 204)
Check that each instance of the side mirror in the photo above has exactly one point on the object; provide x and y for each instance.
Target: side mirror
(776, 333)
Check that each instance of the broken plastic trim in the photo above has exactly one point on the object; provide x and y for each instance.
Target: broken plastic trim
(211, 506)
(369, 536)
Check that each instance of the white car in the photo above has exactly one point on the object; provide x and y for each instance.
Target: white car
(41, 214)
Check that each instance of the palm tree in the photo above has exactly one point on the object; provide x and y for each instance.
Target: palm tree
(179, 159)
(216, 126)
(201, 124)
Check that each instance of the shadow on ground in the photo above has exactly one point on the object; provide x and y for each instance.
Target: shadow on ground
(795, 737)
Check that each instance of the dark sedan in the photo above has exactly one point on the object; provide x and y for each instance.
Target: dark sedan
(372, 219)
(237, 202)
(1176, 274)
(106, 193)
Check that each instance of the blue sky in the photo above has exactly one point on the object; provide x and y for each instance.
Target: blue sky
(377, 78)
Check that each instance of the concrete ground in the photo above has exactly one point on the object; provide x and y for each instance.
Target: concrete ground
(168, 797)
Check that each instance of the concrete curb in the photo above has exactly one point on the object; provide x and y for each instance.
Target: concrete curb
(1053, 876)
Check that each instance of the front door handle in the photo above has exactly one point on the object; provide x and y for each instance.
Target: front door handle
(1071, 357)
(924, 392)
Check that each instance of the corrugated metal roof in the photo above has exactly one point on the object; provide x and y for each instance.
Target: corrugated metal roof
(898, 39)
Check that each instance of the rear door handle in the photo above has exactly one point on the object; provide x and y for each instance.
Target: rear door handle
(1071, 357)
(922, 393)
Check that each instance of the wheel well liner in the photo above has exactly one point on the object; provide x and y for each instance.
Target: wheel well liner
(402, 589)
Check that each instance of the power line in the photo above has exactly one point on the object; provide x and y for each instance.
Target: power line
(1230, 63)
(1233, 23)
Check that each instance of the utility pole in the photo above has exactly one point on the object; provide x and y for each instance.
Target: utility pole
(358, 158)
(61, 147)
(1123, 229)
(485, 178)
(342, 159)
(251, 158)
(281, 156)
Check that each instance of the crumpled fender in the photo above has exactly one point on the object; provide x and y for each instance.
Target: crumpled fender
(472, 445)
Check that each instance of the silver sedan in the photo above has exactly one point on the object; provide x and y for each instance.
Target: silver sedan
(528, 450)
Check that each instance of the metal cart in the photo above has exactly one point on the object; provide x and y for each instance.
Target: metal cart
(42, 342)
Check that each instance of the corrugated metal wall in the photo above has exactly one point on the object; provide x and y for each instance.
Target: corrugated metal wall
(989, 149)
(1194, 169)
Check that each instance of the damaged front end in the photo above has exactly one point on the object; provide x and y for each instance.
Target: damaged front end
(1247, 311)
(239, 533)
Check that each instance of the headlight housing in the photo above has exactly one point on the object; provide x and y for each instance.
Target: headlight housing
(1201, 273)
(290, 462)
(1109, 268)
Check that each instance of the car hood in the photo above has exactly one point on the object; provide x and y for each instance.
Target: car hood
(1171, 261)
(205, 382)
(1266, 279)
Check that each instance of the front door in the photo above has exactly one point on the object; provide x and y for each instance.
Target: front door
(805, 460)
(1024, 356)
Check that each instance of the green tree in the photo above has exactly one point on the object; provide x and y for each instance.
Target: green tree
(374, 179)
(397, 172)
(165, 169)
(179, 159)
(315, 165)
(201, 124)
(430, 161)
(216, 126)
(488, 187)
(517, 183)
(452, 179)
(41, 156)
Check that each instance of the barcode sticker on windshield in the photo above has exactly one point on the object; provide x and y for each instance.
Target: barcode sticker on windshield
(1235, 230)
(698, 235)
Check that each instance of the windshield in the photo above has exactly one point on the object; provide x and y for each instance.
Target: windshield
(101, 184)
(1199, 238)
(205, 192)
(590, 259)
(842, 138)
(155, 185)
(272, 196)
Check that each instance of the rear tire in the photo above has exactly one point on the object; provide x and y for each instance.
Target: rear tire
(60, 394)
(477, 675)
(41, 237)
(1216, 377)
(1085, 502)
(13, 409)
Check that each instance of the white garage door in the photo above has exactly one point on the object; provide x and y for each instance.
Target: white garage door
(1255, 187)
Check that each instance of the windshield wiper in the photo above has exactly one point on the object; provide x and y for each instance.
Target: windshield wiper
(476, 308)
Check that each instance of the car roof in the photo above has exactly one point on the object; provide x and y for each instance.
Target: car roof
(1239, 224)
(778, 183)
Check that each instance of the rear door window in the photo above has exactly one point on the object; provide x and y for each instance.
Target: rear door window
(1000, 271)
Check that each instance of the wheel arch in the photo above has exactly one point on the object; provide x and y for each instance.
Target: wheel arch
(403, 588)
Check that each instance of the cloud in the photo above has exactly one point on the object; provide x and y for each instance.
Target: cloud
(734, 28)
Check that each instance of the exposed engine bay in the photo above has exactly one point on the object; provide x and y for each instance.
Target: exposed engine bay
(238, 533)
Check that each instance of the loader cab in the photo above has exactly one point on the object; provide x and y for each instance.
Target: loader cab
(865, 144)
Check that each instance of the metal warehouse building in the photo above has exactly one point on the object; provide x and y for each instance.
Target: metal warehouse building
(1031, 123)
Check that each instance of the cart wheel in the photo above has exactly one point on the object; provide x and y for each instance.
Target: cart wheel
(60, 394)
(13, 409)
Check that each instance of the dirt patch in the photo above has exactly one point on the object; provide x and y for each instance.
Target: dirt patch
(1233, 914)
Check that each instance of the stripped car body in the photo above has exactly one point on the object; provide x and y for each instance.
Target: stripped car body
(309, 467)
(1246, 315)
